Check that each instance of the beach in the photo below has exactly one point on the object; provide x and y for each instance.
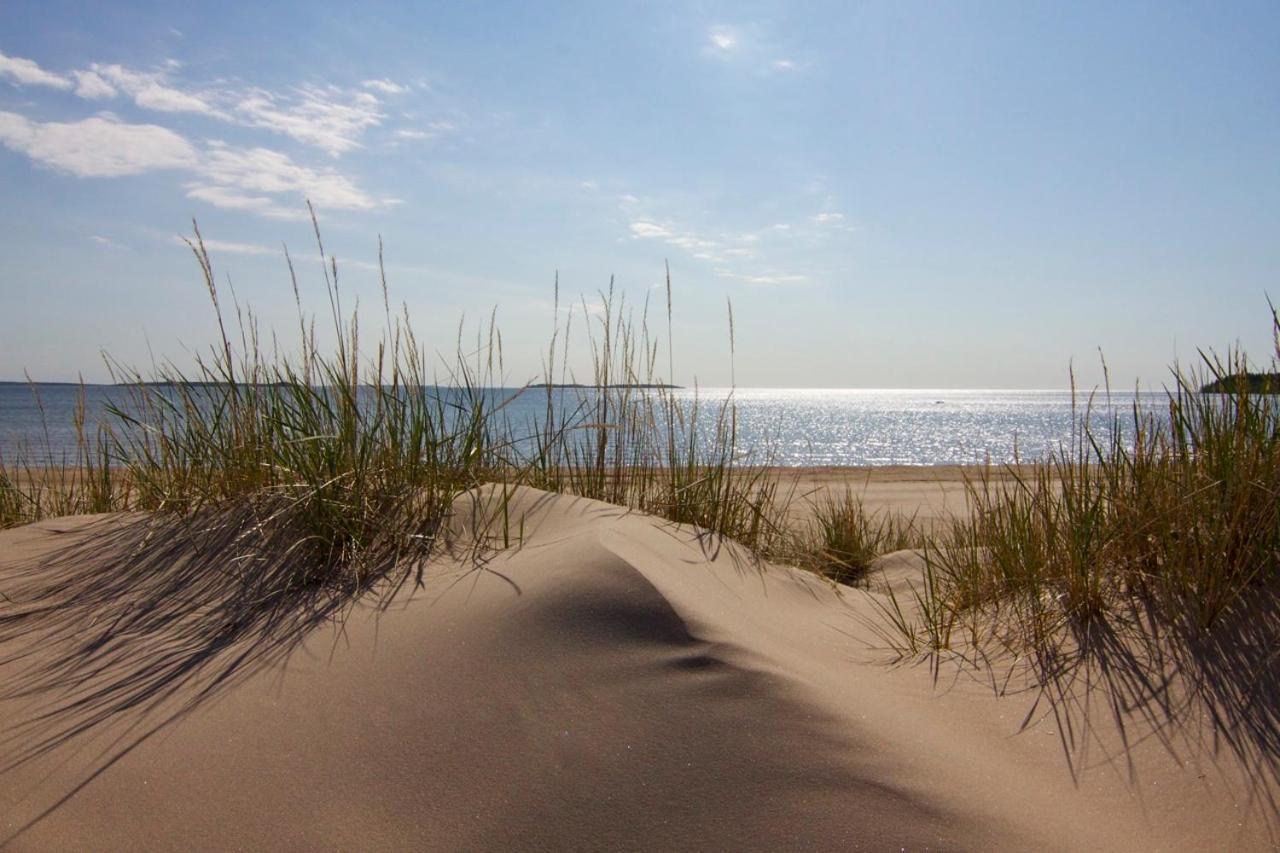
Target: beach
(602, 680)
(661, 426)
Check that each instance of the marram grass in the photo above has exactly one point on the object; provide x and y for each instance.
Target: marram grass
(1169, 520)
(356, 452)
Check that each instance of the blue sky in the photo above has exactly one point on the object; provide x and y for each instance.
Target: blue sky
(893, 195)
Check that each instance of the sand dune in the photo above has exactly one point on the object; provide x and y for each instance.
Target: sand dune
(612, 681)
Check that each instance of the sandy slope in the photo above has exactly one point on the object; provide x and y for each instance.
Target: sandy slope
(615, 682)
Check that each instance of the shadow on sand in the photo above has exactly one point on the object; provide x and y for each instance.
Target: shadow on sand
(135, 621)
(1201, 694)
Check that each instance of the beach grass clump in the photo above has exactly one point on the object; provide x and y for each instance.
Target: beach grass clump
(846, 538)
(630, 438)
(359, 455)
(1165, 520)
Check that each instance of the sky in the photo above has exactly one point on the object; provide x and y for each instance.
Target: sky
(930, 195)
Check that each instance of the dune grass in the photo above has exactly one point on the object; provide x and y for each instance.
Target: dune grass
(1169, 519)
(356, 451)
(843, 539)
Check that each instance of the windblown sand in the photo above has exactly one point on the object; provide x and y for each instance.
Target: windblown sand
(610, 681)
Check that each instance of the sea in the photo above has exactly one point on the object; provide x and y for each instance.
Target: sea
(781, 426)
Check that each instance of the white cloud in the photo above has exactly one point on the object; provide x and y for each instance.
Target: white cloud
(590, 186)
(699, 246)
(261, 170)
(91, 86)
(325, 117)
(686, 241)
(99, 147)
(231, 199)
(25, 72)
(749, 46)
(643, 230)
(748, 256)
(249, 179)
(151, 90)
(827, 217)
(768, 278)
(385, 86)
(723, 39)
(103, 241)
(232, 248)
(434, 130)
(253, 179)
(628, 199)
(330, 118)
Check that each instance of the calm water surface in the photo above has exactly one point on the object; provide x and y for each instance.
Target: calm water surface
(795, 426)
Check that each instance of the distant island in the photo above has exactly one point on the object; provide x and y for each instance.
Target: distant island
(168, 383)
(643, 386)
(1254, 383)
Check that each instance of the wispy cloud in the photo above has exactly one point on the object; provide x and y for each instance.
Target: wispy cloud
(327, 117)
(385, 86)
(431, 131)
(150, 90)
(723, 40)
(261, 170)
(775, 254)
(331, 118)
(643, 229)
(230, 247)
(91, 85)
(97, 147)
(749, 46)
(228, 198)
(763, 278)
(25, 72)
(258, 180)
(704, 248)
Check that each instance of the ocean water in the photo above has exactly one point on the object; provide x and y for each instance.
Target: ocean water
(792, 427)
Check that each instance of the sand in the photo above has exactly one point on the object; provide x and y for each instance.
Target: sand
(930, 494)
(612, 681)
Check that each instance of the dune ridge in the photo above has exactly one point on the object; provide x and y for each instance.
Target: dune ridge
(610, 681)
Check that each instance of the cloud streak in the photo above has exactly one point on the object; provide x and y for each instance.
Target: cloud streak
(25, 72)
(330, 118)
(385, 86)
(231, 248)
(148, 89)
(240, 178)
(326, 117)
(97, 147)
(257, 180)
(747, 256)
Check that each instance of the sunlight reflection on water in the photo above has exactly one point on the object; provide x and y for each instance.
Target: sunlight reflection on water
(794, 426)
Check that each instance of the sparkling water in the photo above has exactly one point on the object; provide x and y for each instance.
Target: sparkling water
(787, 426)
